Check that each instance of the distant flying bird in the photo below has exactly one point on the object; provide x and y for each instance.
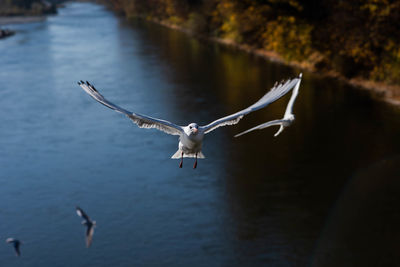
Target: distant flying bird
(89, 225)
(16, 243)
(191, 136)
(288, 118)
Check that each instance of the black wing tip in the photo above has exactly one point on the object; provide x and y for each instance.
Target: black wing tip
(91, 86)
(87, 83)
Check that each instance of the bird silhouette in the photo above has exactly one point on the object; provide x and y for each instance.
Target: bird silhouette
(16, 243)
(89, 225)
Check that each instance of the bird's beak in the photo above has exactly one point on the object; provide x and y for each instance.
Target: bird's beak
(194, 130)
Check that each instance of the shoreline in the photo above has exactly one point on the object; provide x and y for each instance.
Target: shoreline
(7, 20)
(378, 90)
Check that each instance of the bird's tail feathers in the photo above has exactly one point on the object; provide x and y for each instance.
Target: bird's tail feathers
(200, 155)
(178, 155)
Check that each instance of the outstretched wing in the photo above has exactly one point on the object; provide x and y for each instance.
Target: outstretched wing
(142, 121)
(274, 94)
(82, 214)
(261, 126)
(16, 247)
(10, 240)
(89, 235)
(289, 108)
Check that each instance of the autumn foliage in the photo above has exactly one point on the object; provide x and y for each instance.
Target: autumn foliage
(355, 38)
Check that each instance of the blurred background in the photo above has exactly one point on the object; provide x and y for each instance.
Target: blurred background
(323, 193)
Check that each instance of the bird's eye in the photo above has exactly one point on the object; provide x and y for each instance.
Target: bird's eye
(190, 127)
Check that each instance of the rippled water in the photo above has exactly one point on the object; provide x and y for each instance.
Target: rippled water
(324, 193)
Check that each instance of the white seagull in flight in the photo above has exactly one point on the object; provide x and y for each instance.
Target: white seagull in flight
(191, 136)
(288, 118)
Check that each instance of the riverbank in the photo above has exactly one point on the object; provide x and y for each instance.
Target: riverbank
(20, 19)
(24, 12)
(27, 8)
(365, 55)
(378, 90)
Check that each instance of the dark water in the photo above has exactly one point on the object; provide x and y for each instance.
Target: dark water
(324, 193)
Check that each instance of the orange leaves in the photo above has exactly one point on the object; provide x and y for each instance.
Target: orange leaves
(353, 37)
(288, 37)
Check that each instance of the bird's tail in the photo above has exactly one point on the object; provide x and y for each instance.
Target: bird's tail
(200, 155)
(178, 155)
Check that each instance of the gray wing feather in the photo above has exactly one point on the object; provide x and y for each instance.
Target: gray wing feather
(289, 108)
(274, 94)
(261, 126)
(142, 121)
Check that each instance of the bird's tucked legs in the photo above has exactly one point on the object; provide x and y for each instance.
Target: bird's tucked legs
(181, 164)
(195, 163)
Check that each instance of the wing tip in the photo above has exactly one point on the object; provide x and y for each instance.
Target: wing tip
(245, 132)
(91, 86)
(239, 134)
(88, 85)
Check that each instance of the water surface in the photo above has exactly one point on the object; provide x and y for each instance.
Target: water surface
(325, 192)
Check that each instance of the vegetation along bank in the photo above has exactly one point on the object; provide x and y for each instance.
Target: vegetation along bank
(357, 41)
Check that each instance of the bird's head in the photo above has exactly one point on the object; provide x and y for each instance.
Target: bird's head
(193, 129)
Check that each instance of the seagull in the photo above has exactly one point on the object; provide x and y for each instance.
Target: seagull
(288, 118)
(89, 225)
(191, 136)
(16, 243)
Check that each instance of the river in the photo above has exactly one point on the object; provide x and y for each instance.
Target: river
(323, 193)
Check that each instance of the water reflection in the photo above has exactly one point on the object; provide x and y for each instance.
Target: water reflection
(279, 191)
(363, 226)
